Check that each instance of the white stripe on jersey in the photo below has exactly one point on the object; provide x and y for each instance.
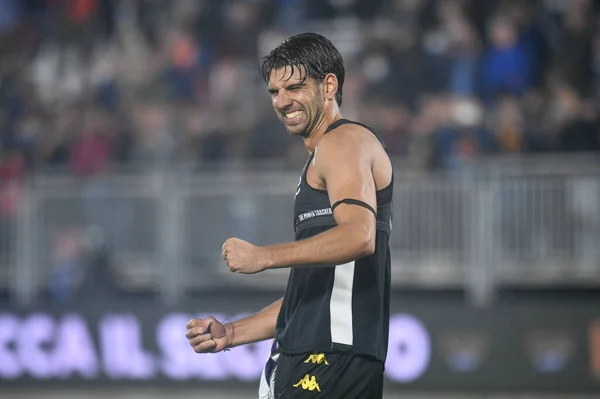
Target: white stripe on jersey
(340, 306)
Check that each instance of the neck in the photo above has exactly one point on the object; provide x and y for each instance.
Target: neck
(320, 128)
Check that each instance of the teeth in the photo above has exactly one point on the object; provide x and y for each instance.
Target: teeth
(293, 115)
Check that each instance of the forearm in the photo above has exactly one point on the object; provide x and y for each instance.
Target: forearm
(258, 327)
(339, 245)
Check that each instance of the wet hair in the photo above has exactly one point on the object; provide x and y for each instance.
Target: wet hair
(310, 51)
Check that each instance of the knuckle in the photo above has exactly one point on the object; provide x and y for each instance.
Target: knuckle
(202, 347)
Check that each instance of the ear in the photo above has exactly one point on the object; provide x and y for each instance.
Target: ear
(330, 86)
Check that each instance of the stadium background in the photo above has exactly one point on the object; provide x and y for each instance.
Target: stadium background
(136, 136)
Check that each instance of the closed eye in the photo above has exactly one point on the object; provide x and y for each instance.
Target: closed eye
(295, 87)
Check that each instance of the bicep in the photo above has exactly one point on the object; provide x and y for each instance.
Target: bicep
(349, 176)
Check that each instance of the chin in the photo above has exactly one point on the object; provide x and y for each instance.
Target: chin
(298, 130)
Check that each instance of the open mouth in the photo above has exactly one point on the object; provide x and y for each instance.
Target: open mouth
(293, 116)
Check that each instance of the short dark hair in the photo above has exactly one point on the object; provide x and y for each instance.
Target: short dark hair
(312, 51)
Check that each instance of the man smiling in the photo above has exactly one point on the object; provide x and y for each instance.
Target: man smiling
(331, 327)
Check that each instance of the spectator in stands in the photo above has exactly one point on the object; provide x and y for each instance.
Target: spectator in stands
(110, 55)
(505, 65)
(67, 269)
(91, 152)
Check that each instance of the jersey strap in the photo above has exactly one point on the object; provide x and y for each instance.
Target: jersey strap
(354, 202)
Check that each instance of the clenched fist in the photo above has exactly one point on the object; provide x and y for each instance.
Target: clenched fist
(243, 257)
(208, 335)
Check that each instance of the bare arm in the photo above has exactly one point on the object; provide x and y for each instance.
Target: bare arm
(346, 167)
(258, 327)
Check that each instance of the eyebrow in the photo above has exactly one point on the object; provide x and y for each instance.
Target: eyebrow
(290, 87)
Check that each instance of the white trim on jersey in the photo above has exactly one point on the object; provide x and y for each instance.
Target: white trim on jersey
(340, 305)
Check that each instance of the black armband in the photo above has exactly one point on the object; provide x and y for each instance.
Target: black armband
(354, 202)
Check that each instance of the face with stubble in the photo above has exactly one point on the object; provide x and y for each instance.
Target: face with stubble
(297, 99)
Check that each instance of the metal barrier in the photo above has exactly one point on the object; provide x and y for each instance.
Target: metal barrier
(78, 219)
(547, 229)
(163, 232)
(7, 249)
(9, 198)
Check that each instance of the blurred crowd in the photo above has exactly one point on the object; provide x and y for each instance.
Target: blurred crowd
(90, 85)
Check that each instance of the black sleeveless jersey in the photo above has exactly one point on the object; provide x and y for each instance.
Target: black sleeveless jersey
(342, 308)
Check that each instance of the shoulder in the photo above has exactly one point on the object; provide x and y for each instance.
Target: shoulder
(346, 140)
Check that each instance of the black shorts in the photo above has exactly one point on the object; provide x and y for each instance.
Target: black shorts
(329, 375)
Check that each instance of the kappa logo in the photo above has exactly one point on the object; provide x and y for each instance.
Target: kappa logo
(317, 358)
(308, 383)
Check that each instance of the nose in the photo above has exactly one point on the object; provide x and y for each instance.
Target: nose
(282, 100)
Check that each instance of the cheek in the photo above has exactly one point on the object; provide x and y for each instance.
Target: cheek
(311, 102)
(316, 105)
